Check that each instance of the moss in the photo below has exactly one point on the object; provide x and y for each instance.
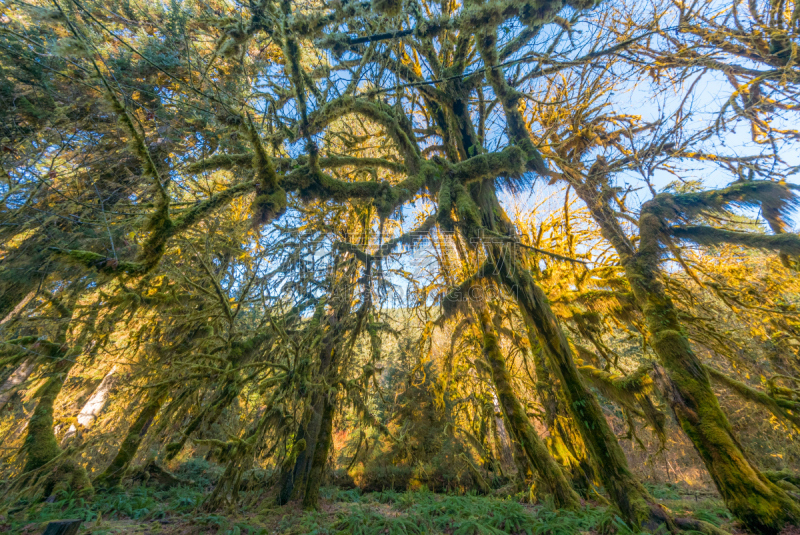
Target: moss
(320, 457)
(788, 244)
(768, 402)
(751, 497)
(469, 216)
(783, 475)
(775, 199)
(101, 263)
(390, 8)
(210, 413)
(548, 470)
(69, 476)
(631, 392)
(204, 208)
(119, 466)
(268, 206)
(41, 445)
(221, 161)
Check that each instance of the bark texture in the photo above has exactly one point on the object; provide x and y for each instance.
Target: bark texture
(20, 375)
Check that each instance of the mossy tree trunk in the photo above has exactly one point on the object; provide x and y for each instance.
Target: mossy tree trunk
(119, 466)
(293, 481)
(565, 443)
(750, 496)
(520, 425)
(41, 445)
(320, 457)
(294, 478)
(635, 504)
(316, 427)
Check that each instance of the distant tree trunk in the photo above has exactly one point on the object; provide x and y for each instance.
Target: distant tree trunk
(20, 375)
(115, 471)
(92, 409)
(501, 436)
(24, 370)
(548, 470)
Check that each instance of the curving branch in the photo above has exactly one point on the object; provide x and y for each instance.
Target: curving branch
(786, 243)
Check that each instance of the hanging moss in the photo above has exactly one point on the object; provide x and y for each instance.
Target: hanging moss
(750, 496)
(390, 8)
(536, 451)
(632, 392)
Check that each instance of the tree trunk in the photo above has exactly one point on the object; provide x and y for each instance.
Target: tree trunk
(501, 436)
(635, 504)
(115, 471)
(20, 375)
(320, 457)
(41, 445)
(566, 445)
(92, 409)
(548, 470)
(752, 498)
(293, 481)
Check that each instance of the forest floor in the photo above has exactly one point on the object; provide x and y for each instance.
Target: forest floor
(141, 509)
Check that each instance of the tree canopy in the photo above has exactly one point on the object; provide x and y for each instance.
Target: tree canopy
(468, 245)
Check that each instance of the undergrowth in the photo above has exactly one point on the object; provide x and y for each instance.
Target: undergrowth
(143, 509)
